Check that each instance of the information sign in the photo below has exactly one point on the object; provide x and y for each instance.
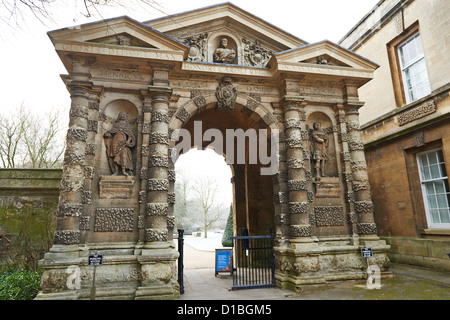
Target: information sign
(95, 260)
(224, 260)
(366, 252)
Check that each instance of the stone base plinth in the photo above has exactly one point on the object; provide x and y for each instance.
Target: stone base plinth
(127, 273)
(322, 262)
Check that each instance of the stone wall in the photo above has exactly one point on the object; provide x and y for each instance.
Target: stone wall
(28, 199)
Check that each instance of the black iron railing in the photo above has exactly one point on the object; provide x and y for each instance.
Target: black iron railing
(254, 265)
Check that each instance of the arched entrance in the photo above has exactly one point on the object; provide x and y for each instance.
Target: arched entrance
(253, 207)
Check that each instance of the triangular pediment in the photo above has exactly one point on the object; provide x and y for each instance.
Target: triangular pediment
(254, 40)
(124, 39)
(325, 53)
(120, 37)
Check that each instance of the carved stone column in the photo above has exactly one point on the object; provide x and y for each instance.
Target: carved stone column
(72, 195)
(347, 176)
(297, 184)
(62, 276)
(158, 181)
(158, 259)
(360, 180)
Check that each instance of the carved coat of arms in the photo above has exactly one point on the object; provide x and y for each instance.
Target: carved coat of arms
(226, 95)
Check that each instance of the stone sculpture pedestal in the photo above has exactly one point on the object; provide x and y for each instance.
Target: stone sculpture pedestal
(116, 187)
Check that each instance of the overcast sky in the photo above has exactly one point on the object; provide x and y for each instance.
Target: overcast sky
(31, 69)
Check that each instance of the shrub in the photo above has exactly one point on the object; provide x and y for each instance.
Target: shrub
(19, 284)
(228, 233)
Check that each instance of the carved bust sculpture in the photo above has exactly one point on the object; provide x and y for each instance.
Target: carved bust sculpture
(319, 145)
(224, 54)
(118, 142)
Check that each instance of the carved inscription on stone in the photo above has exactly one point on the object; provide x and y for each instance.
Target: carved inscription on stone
(114, 219)
(116, 187)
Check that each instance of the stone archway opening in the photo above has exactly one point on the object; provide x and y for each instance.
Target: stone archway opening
(241, 145)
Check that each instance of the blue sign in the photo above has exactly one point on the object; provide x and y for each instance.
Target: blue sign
(224, 262)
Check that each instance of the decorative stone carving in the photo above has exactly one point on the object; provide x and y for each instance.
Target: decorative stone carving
(171, 197)
(298, 207)
(160, 116)
(76, 134)
(295, 163)
(157, 209)
(114, 219)
(249, 107)
(158, 161)
(255, 54)
(367, 228)
(297, 185)
(158, 185)
(418, 112)
(360, 185)
(223, 54)
(329, 216)
(170, 221)
(84, 223)
(300, 231)
(363, 206)
(183, 115)
(226, 95)
(69, 209)
(282, 219)
(66, 237)
(156, 235)
(171, 175)
(157, 137)
(197, 44)
(419, 139)
(93, 125)
(118, 142)
(292, 123)
(355, 146)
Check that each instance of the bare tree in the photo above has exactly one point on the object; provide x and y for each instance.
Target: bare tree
(205, 190)
(183, 186)
(44, 149)
(29, 140)
(12, 130)
(13, 12)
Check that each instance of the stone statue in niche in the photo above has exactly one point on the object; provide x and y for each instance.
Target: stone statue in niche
(118, 141)
(319, 146)
(224, 54)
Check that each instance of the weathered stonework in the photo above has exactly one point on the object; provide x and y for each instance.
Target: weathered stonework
(114, 219)
(131, 93)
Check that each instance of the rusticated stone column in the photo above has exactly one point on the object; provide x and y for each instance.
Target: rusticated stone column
(72, 195)
(62, 273)
(297, 184)
(157, 207)
(347, 169)
(360, 180)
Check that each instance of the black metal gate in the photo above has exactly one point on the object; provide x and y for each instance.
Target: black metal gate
(253, 263)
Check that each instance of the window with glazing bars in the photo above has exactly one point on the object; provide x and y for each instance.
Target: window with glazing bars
(435, 188)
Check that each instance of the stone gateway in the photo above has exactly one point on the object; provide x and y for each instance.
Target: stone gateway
(134, 85)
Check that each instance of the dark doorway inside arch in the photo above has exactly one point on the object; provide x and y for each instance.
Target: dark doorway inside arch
(253, 208)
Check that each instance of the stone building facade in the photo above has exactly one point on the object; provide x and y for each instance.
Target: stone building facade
(133, 87)
(405, 126)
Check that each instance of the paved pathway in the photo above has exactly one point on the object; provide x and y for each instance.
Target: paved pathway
(408, 283)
